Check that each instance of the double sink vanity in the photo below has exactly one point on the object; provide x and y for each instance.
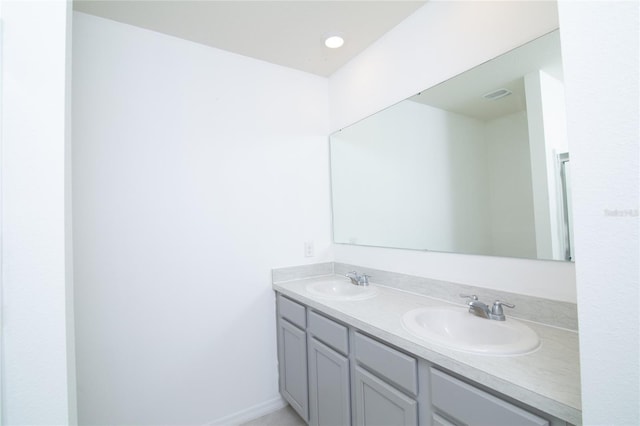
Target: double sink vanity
(381, 354)
(475, 165)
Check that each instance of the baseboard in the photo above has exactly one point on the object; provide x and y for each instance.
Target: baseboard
(250, 413)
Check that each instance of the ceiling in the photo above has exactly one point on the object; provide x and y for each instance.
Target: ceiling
(289, 33)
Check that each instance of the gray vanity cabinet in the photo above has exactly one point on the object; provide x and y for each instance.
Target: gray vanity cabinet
(329, 389)
(335, 375)
(292, 355)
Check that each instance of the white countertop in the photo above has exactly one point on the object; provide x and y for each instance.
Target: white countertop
(547, 379)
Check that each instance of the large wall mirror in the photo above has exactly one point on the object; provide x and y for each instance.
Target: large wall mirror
(478, 164)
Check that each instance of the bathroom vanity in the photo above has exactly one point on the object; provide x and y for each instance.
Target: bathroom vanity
(348, 360)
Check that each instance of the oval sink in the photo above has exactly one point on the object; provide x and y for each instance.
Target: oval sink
(457, 329)
(340, 290)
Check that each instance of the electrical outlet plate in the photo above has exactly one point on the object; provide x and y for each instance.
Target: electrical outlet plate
(308, 249)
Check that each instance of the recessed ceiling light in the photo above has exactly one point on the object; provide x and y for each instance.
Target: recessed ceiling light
(333, 41)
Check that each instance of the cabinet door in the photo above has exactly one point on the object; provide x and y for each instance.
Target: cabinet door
(292, 363)
(380, 404)
(329, 400)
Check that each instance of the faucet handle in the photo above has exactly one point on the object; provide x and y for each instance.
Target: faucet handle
(469, 296)
(364, 279)
(497, 308)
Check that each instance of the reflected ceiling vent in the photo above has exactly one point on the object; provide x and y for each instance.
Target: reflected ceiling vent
(496, 94)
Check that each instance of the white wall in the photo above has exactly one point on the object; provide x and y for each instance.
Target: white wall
(600, 44)
(195, 172)
(511, 199)
(437, 42)
(38, 383)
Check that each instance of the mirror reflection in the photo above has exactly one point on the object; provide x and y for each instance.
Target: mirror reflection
(478, 164)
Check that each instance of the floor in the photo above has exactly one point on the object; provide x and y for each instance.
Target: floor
(283, 417)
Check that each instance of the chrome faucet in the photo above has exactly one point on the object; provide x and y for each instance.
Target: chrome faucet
(357, 279)
(482, 310)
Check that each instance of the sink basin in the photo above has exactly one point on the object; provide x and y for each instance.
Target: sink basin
(456, 328)
(336, 289)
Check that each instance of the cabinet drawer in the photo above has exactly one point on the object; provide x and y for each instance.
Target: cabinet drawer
(387, 362)
(329, 332)
(292, 311)
(470, 405)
